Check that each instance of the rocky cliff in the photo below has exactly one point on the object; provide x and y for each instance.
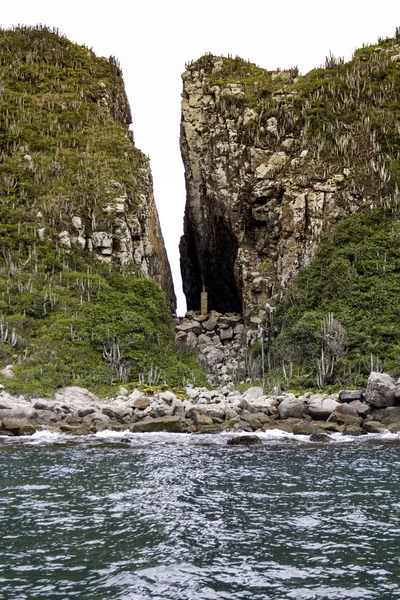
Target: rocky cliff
(273, 160)
(68, 157)
(82, 257)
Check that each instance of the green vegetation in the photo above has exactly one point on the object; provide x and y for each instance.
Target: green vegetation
(346, 114)
(65, 151)
(341, 317)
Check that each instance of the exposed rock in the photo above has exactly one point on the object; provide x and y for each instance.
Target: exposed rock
(253, 394)
(18, 426)
(244, 440)
(281, 425)
(170, 424)
(253, 193)
(390, 415)
(394, 427)
(141, 403)
(350, 395)
(75, 394)
(199, 418)
(320, 407)
(345, 414)
(380, 391)
(291, 407)
(373, 427)
(307, 428)
(211, 323)
(362, 408)
(320, 437)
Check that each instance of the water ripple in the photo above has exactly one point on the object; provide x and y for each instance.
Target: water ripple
(178, 517)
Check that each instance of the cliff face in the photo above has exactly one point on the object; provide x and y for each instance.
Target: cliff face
(68, 158)
(81, 251)
(273, 161)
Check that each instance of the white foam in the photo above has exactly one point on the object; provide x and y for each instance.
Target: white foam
(108, 433)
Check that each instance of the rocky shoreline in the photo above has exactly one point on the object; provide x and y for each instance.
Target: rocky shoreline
(77, 411)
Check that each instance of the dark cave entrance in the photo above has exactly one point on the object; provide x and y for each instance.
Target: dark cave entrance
(211, 264)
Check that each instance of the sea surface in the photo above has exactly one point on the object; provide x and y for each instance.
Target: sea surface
(126, 516)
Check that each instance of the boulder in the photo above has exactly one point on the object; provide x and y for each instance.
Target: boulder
(199, 418)
(345, 414)
(170, 424)
(394, 427)
(320, 437)
(18, 426)
(390, 415)
(362, 408)
(331, 426)
(380, 391)
(141, 403)
(320, 407)
(291, 407)
(255, 420)
(350, 395)
(281, 425)
(230, 319)
(245, 426)
(307, 428)
(19, 411)
(373, 427)
(75, 394)
(84, 412)
(191, 393)
(211, 323)
(244, 440)
(253, 393)
(353, 430)
(211, 356)
(76, 430)
(191, 327)
(226, 334)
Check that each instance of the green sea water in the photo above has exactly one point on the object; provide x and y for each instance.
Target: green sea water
(186, 517)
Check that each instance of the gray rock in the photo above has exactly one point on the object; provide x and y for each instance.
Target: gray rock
(230, 319)
(380, 391)
(170, 424)
(390, 415)
(373, 427)
(167, 397)
(345, 414)
(350, 395)
(191, 326)
(362, 408)
(226, 334)
(244, 440)
(321, 407)
(199, 418)
(211, 356)
(18, 426)
(18, 411)
(211, 323)
(253, 393)
(192, 393)
(74, 394)
(291, 407)
(320, 437)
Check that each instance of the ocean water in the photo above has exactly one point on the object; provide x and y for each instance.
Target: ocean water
(178, 517)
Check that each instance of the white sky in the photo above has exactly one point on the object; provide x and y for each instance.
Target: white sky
(154, 38)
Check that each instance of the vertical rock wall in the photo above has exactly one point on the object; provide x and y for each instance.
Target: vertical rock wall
(272, 161)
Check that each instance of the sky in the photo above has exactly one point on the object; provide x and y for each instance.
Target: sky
(153, 39)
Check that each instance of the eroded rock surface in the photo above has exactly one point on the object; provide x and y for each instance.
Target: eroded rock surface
(260, 191)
